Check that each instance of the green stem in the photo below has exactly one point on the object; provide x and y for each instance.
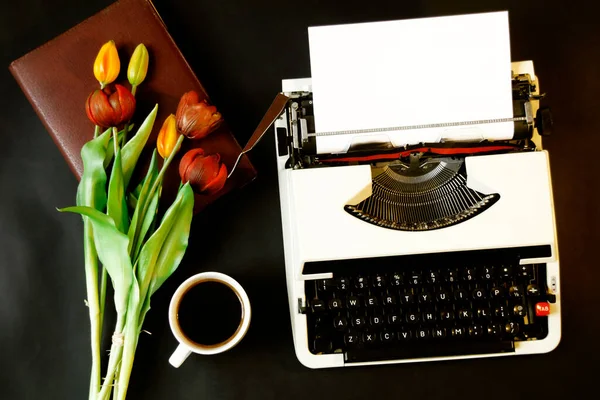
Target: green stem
(91, 278)
(116, 138)
(133, 90)
(131, 339)
(96, 131)
(116, 352)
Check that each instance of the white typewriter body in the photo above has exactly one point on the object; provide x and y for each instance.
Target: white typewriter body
(316, 228)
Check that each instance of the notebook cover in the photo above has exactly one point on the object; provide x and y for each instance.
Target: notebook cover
(57, 78)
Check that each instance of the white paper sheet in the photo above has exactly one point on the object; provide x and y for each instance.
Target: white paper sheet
(412, 72)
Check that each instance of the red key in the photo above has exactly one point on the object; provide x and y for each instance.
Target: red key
(542, 309)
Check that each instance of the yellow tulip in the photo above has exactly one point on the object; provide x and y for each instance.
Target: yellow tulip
(107, 64)
(138, 65)
(167, 137)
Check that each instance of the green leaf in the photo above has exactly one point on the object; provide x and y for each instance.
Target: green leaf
(91, 191)
(146, 224)
(164, 250)
(132, 150)
(117, 206)
(111, 246)
(138, 221)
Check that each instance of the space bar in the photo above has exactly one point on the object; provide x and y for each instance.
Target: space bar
(428, 349)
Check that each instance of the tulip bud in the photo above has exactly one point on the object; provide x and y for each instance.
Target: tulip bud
(110, 106)
(107, 64)
(167, 137)
(196, 119)
(206, 174)
(138, 65)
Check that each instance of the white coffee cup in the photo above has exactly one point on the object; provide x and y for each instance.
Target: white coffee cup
(187, 346)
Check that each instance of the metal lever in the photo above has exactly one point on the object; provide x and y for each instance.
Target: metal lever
(271, 115)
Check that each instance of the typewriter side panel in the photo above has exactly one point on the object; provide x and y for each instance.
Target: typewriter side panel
(293, 265)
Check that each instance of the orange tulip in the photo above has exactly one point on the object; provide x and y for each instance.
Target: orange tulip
(205, 173)
(167, 137)
(196, 119)
(107, 64)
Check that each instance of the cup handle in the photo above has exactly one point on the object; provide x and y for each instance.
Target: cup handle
(179, 356)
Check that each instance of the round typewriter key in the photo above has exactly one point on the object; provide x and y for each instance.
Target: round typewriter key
(335, 304)
(461, 295)
(412, 317)
(371, 301)
(322, 285)
(433, 277)
(423, 333)
(469, 275)
(396, 279)
(340, 323)
(494, 330)
(487, 273)
(360, 282)
(389, 300)
(465, 314)
(407, 298)
(515, 292)
(369, 337)
(317, 305)
(404, 334)
(484, 313)
(376, 320)
(387, 337)
(512, 328)
(351, 339)
(428, 316)
(505, 271)
(358, 322)
(379, 282)
(525, 271)
(533, 290)
(458, 332)
(501, 312)
(342, 284)
(424, 298)
(451, 276)
(393, 319)
(438, 332)
(475, 330)
(353, 302)
(496, 292)
(447, 315)
(443, 296)
(519, 310)
(415, 278)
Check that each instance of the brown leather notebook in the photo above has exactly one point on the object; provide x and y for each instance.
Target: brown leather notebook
(57, 78)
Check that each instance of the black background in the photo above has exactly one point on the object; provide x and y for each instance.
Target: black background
(241, 50)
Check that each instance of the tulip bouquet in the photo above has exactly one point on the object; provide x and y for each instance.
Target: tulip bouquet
(125, 238)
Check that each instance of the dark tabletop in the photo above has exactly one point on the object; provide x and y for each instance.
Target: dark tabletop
(241, 50)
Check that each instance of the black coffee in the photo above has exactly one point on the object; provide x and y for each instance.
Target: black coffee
(209, 313)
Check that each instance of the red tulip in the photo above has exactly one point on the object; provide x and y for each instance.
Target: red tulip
(110, 106)
(205, 173)
(196, 119)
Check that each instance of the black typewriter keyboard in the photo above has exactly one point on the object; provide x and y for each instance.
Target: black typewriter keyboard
(427, 311)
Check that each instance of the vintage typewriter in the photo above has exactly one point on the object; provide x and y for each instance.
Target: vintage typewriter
(432, 251)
